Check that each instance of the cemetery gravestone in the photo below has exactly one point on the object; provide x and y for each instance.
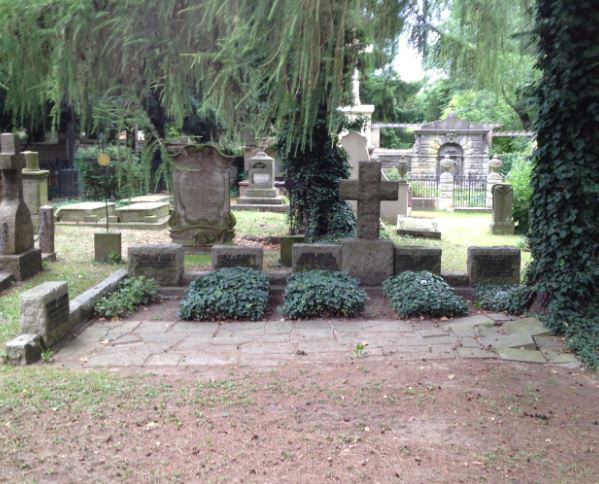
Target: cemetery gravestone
(502, 224)
(17, 253)
(46, 232)
(308, 257)
(494, 265)
(35, 185)
(367, 258)
(202, 211)
(416, 258)
(45, 311)
(261, 191)
(162, 262)
(231, 256)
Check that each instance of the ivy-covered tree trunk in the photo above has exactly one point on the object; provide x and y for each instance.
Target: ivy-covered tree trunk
(564, 277)
(313, 173)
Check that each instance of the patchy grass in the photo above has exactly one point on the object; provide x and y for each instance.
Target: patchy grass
(460, 230)
(261, 224)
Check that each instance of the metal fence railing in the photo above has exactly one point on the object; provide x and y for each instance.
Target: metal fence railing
(424, 186)
(63, 182)
(469, 191)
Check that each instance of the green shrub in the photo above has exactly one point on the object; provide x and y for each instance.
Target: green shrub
(519, 178)
(231, 293)
(501, 298)
(130, 293)
(125, 177)
(322, 294)
(422, 294)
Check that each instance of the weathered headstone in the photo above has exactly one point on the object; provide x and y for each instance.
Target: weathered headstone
(202, 212)
(231, 256)
(502, 224)
(107, 246)
(46, 232)
(417, 258)
(17, 253)
(367, 258)
(287, 242)
(35, 185)
(494, 265)
(423, 227)
(162, 262)
(356, 146)
(308, 257)
(261, 191)
(45, 311)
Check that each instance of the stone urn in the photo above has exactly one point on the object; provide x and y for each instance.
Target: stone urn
(494, 165)
(446, 164)
(402, 168)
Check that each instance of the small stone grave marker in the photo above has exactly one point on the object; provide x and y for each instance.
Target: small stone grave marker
(231, 256)
(162, 262)
(45, 311)
(307, 257)
(494, 265)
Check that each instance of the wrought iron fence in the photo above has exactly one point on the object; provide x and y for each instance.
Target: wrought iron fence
(424, 186)
(63, 182)
(469, 191)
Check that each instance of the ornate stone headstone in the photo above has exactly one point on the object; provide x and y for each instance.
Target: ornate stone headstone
(367, 257)
(503, 195)
(261, 191)
(202, 209)
(17, 254)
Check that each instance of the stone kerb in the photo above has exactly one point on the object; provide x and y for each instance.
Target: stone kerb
(307, 257)
(417, 258)
(494, 265)
(162, 262)
(231, 256)
(44, 311)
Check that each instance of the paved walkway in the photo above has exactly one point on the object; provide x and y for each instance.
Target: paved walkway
(181, 343)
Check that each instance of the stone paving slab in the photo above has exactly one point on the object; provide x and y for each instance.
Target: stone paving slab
(269, 343)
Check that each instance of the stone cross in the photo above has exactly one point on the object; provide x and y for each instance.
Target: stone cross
(369, 191)
(16, 235)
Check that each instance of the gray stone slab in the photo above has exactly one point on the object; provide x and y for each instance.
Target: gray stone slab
(162, 262)
(475, 353)
(432, 333)
(25, 349)
(514, 340)
(307, 257)
(422, 227)
(531, 326)
(389, 326)
(416, 258)
(558, 357)
(549, 342)
(525, 356)
(232, 256)
(466, 326)
(371, 261)
(494, 265)
(44, 310)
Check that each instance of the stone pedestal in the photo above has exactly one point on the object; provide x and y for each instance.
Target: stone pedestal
(446, 191)
(371, 261)
(46, 232)
(493, 178)
(17, 254)
(107, 246)
(404, 198)
(502, 209)
(261, 191)
(35, 185)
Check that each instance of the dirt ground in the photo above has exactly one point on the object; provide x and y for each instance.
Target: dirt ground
(356, 420)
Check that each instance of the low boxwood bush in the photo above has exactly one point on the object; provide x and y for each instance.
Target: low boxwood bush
(322, 294)
(231, 293)
(422, 294)
(501, 298)
(131, 293)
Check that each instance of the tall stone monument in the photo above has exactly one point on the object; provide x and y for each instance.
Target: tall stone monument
(367, 257)
(35, 185)
(261, 192)
(503, 195)
(17, 253)
(202, 208)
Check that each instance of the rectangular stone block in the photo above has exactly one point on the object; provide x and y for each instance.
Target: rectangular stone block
(140, 211)
(22, 266)
(371, 261)
(162, 262)
(25, 349)
(45, 311)
(417, 258)
(107, 246)
(231, 256)
(418, 227)
(85, 211)
(494, 265)
(308, 257)
(287, 242)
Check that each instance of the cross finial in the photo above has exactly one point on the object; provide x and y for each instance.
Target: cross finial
(369, 191)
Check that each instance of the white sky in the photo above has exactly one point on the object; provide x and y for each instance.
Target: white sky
(408, 62)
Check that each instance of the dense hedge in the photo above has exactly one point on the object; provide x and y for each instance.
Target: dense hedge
(323, 294)
(231, 293)
(131, 293)
(422, 294)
